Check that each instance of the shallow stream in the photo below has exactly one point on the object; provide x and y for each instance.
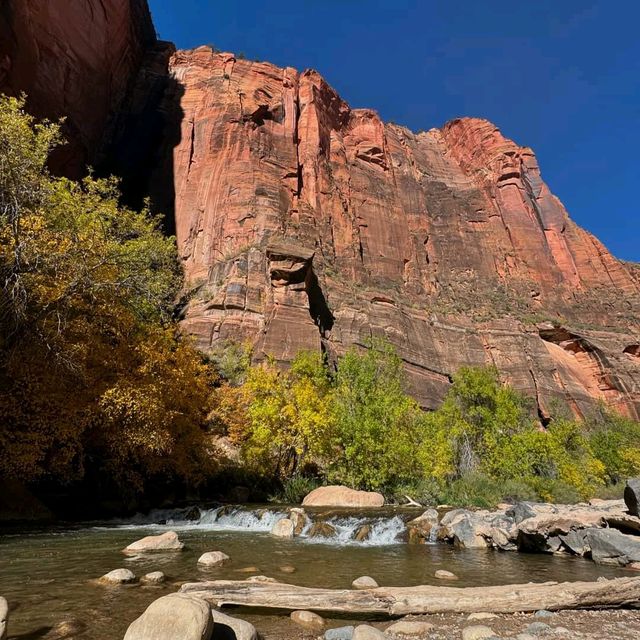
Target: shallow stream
(46, 575)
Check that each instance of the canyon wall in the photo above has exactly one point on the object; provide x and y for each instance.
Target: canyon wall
(305, 224)
(73, 58)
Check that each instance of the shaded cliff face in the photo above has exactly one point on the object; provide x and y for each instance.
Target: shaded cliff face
(73, 58)
(305, 224)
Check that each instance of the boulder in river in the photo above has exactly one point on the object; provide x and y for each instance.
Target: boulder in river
(632, 496)
(228, 628)
(443, 574)
(322, 530)
(363, 533)
(212, 559)
(299, 519)
(174, 616)
(67, 629)
(167, 541)
(287, 568)
(308, 620)
(154, 577)
(420, 528)
(118, 576)
(364, 582)
(283, 528)
(4, 617)
(609, 546)
(340, 496)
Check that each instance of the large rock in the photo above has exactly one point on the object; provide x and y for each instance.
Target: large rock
(229, 628)
(339, 496)
(428, 238)
(609, 545)
(420, 528)
(171, 617)
(167, 541)
(299, 519)
(632, 496)
(4, 617)
(322, 530)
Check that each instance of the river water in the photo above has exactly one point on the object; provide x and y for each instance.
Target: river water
(47, 575)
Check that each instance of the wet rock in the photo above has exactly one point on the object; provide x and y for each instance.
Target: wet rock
(322, 530)
(340, 496)
(477, 632)
(537, 628)
(167, 541)
(366, 632)
(174, 616)
(249, 570)
(65, 629)
(299, 519)
(287, 568)
(4, 617)
(442, 574)
(609, 544)
(193, 514)
(364, 582)
(228, 628)
(213, 559)
(308, 620)
(118, 576)
(283, 528)
(409, 629)
(420, 528)
(155, 577)
(339, 633)
(632, 496)
(363, 533)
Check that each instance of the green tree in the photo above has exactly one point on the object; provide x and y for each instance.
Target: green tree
(378, 426)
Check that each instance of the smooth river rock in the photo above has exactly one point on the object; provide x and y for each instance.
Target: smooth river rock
(308, 620)
(339, 496)
(409, 629)
(212, 559)
(366, 632)
(229, 628)
(174, 617)
(477, 632)
(167, 541)
(339, 633)
(283, 528)
(442, 574)
(364, 582)
(154, 577)
(4, 617)
(118, 576)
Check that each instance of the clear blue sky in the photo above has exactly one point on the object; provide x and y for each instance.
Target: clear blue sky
(562, 76)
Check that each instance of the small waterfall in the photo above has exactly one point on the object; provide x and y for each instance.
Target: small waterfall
(383, 531)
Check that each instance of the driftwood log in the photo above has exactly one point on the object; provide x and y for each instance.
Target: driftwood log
(396, 601)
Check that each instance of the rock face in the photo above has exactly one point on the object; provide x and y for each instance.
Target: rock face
(339, 496)
(305, 224)
(73, 59)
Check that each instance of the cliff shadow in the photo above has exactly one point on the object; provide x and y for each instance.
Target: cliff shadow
(139, 143)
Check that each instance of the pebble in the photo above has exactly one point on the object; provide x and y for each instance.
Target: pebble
(477, 632)
(366, 632)
(339, 633)
(537, 628)
(409, 628)
(308, 620)
(481, 615)
(287, 568)
(364, 582)
(543, 613)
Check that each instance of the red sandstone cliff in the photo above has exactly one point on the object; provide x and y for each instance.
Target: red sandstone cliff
(73, 58)
(303, 223)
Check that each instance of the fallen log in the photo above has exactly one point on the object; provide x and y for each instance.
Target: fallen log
(396, 601)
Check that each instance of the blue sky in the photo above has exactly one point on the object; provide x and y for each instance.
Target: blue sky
(561, 76)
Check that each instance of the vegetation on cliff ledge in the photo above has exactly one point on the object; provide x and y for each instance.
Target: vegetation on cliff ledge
(97, 385)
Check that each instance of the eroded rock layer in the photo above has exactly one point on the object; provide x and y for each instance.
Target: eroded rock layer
(305, 224)
(73, 58)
